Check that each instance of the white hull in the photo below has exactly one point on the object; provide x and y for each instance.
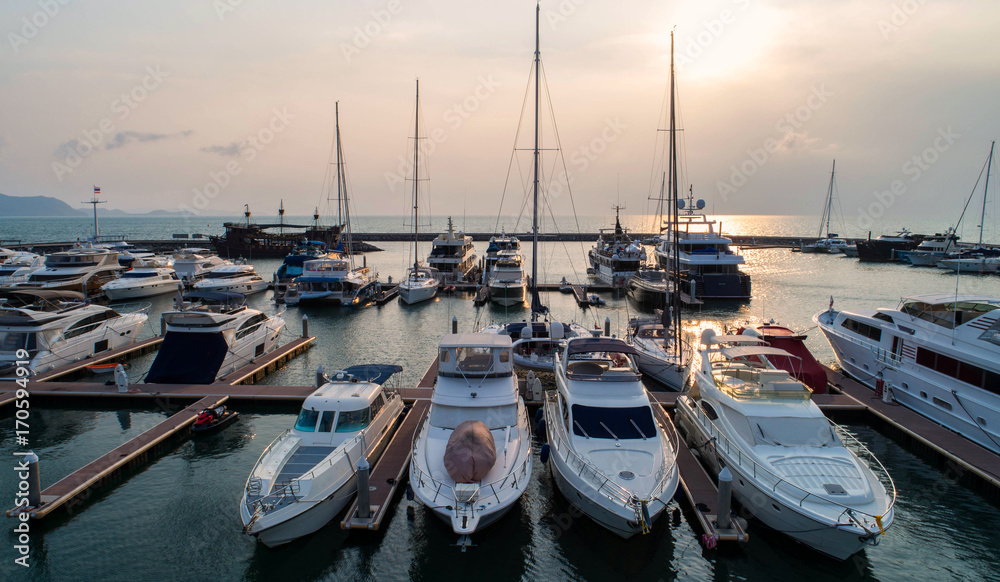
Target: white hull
(411, 295)
(507, 295)
(308, 521)
(665, 372)
(158, 288)
(245, 287)
(119, 334)
(970, 265)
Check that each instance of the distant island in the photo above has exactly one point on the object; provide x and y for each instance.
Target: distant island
(21, 206)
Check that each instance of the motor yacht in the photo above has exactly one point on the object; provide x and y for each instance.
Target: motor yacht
(307, 475)
(51, 328)
(535, 343)
(659, 352)
(232, 278)
(453, 255)
(149, 277)
(209, 335)
(507, 281)
(938, 355)
(81, 269)
(887, 248)
(649, 287)
(971, 264)
(193, 264)
(615, 257)
(333, 281)
(932, 249)
(610, 455)
(292, 266)
(471, 459)
(19, 266)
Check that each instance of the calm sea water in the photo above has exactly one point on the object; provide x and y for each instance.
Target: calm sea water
(177, 517)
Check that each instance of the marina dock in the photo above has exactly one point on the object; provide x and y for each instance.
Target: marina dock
(256, 370)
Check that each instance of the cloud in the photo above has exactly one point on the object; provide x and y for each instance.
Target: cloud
(123, 138)
(232, 149)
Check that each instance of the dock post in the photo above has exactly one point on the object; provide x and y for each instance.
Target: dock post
(320, 376)
(454, 324)
(364, 499)
(163, 325)
(725, 499)
(607, 326)
(305, 326)
(34, 480)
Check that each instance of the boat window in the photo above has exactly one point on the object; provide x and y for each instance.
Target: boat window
(138, 275)
(326, 421)
(504, 356)
(494, 417)
(11, 341)
(709, 411)
(608, 423)
(863, 329)
(883, 317)
(353, 420)
(377, 405)
(306, 421)
(793, 432)
(474, 360)
(445, 356)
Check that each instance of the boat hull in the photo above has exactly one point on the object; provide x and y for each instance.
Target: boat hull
(411, 295)
(160, 288)
(507, 295)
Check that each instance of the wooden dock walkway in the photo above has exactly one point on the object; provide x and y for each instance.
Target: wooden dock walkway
(117, 355)
(68, 491)
(256, 370)
(963, 456)
(386, 295)
(389, 471)
(482, 295)
(580, 294)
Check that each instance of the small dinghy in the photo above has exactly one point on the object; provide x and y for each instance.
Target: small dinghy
(212, 419)
(108, 368)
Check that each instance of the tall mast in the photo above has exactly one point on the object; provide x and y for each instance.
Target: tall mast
(416, 176)
(828, 207)
(536, 303)
(982, 217)
(94, 201)
(675, 303)
(342, 200)
(336, 114)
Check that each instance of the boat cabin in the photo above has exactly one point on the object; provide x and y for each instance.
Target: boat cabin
(476, 355)
(600, 359)
(342, 407)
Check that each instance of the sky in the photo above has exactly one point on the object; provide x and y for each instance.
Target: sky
(207, 105)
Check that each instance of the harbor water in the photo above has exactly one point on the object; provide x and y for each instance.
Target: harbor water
(177, 517)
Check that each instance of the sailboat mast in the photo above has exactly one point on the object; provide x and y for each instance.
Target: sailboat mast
(534, 224)
(829, 201)
(982, 217)
(416, 176)
(675, 303)
(336, 115)
(342, 200)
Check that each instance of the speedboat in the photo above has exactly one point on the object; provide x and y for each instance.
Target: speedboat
(193, 264)
(19, 266)
(471, 459)
(233, 279)
(307, 475)
(659, 352)
(51, 328)
(147, 279)
(793, 469)
(535, 343)
(938, 355)
(615, 257)
(453, 255)
(334, 281)
(609, 454)
(209, 335)
(81, 269)
(212, 419)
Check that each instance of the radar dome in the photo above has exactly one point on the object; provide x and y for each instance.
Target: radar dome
(701, 204)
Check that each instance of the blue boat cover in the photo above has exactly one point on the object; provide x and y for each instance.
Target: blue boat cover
(375, 373)
(188, 358)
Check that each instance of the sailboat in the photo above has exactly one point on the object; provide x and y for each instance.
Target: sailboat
(536, 341)
(421, 282)
(979, 259)
(336, 280)
(660, 352)
(828, 243)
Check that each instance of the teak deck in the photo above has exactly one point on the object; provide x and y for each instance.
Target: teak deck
(389, 471)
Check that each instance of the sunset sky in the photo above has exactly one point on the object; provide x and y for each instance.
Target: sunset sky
(153, 101)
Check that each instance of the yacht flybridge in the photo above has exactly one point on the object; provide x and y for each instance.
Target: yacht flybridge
(18, 266)
(80, 269)
(453, 255)
(50, 328)
(233, 279)
(193, 264)
(939, 355)
(471, 460)
(307, 475)
(610, 456)
(792, 468)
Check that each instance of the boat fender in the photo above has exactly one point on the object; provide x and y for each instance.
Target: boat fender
(409, 492)
(540, 430)
(544, 457)
(539, 416)
(709, 541)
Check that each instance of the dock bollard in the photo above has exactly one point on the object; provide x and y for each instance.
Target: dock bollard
(725, 499)
(34, 480)
(364, 499)
(305, 326)
(607, 326)
(454, 324)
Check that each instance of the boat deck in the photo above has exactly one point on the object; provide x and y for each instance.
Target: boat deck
(389, 471)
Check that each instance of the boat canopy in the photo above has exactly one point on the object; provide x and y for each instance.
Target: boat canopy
(598, 344)
(188, 358)
(374, 373)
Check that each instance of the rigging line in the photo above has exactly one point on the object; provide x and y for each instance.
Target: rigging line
(513, 153)
(959, 401)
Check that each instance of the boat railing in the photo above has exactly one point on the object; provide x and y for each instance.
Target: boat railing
(880, 354)
(132, 308)
(850, 515)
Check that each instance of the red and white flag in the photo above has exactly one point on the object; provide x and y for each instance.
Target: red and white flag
(97, 190)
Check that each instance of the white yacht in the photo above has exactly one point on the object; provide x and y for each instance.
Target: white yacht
(610, 456)
(712, 268)
(52, 328)
(792, 468)
(149, 277)
(938, 354)
(471, 459)
(192, 264)
(81, 269)
(333, 281)
(933, 248)
(307, 475)
(502, 243)
(453, 255)
(209, 335)
(659, 353)
(19, 266)
(232, 278)
(507, 282)
(535, 343)
(615, 258)
(980, 265)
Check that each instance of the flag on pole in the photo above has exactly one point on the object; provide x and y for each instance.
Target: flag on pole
(97, 190)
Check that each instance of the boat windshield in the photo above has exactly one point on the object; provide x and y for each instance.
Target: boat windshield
(353, 420)
(494, 417)
(613, 423)
(306, 421)
(949, 314)
(786, 431)
(11, 341)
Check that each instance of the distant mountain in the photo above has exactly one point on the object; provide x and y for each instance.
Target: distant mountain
(35, 206)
